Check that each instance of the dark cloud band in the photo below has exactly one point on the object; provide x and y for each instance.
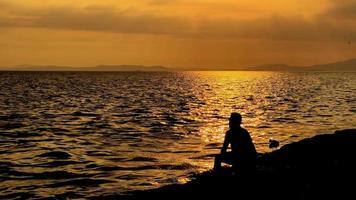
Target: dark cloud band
(337, 23)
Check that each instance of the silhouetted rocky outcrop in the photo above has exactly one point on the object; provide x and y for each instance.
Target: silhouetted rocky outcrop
(322, 167)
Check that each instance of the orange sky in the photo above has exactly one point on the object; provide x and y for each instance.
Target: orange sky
(173, 33)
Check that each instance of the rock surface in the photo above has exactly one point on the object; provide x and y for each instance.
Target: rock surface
(322, 167)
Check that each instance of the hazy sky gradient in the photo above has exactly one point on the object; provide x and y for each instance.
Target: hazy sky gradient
(199, 33)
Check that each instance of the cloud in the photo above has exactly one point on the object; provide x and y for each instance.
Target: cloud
(93, 18)
(342, 10)
(113, 21)
(335, 23)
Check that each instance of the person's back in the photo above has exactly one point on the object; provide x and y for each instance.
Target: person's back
(242, 147)
(243, 153)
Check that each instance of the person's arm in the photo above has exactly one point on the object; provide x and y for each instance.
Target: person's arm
(251, 144)
(226, 143)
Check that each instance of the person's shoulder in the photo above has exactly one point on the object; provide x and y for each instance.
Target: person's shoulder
(228, 133)
(244, 131)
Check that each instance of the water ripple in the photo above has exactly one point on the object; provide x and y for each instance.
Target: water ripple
(66, 135)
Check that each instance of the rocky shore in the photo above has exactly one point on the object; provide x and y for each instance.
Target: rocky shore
(322, 167)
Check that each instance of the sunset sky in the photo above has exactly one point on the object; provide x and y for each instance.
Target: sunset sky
(174, 33)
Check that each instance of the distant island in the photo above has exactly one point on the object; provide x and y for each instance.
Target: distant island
(104, 68)
(346, 66)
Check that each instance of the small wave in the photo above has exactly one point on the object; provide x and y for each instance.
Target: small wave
(5, 166)
(320, 106)
(290, 100)
(56, 154)
(204, 157)
(8, 126)
(213, 146)
(92, 166)
(263, 126)
(184, 166)
(269, 97)
(109, 168)
(219, 117)
(18, 195)
(140, 111)
(20, 134)
(283, 119)
(13, 116)
(43, 175)
(84, 182)
(148, 184)
(128, 177)
(52, 129)
(185, 151)
(159, 151)
(59, 163)
(99, 153)
(143, 159)
(250, 98)
(84, 114)
(291, 110)
(4, 152)
(125, 114)
(324, 115)
(117, 159)
(86, 143)
(97, 124)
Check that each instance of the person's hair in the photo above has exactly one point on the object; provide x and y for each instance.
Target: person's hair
(235, 119)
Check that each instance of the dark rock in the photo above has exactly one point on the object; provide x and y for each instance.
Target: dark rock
(273, 144)
(322, 167)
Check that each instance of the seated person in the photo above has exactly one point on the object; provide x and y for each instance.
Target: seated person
(243, 154)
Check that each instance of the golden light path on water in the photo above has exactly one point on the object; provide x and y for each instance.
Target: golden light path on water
(275, 105)
(116, 132)
(285, 107)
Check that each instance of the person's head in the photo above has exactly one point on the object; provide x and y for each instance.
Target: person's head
(235, 120)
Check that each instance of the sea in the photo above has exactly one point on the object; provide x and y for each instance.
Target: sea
(91, 134)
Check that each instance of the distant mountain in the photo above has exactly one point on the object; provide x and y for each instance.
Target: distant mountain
(347, 65)
(129, 68)
(96, 68)
(274, 67)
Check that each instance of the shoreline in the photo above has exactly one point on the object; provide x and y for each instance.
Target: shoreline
(319, 167)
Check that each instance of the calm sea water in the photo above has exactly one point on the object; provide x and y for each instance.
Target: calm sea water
(90, 134)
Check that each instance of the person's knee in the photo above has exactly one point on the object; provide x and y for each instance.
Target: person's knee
(218, 157)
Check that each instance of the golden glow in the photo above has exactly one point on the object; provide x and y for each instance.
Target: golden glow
(199, 33)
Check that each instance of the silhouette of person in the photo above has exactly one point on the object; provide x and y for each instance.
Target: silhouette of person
(243, 154)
